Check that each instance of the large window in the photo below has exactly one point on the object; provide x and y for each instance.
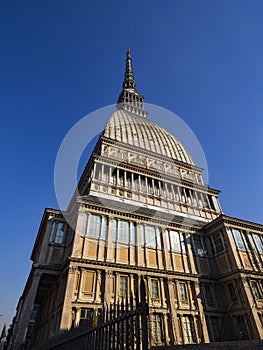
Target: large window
(155, 289)
(157, 332)
(259, 242)
(123, 231)
(218, 242)
(188, 328)
(256, 290)
(123, 286)
(199, 245)
(183, 292)
(151, 236)
(240, 239)
(94, 226)
(177, 241)
(57, 232)
(232, 291)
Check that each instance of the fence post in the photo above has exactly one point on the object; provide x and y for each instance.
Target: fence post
(145, 313)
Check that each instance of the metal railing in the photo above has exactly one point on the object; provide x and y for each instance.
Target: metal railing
(119, 326)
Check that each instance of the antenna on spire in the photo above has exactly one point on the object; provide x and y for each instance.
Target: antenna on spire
(130, 99)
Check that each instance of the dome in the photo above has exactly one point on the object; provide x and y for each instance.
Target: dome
(139, 131)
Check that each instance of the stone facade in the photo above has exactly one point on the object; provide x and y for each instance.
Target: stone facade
(142, 210)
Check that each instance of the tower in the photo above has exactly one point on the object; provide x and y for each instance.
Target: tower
(142, 211)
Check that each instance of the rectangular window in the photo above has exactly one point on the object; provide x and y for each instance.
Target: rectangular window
(183, 292)
(155, 289)
(256, 290)
(157, 332)
(123, 286)
(188, 329)
(240, 239)
(232, 292)
(258, 241)
(218, 242)
(94, 227)
(57, 232)
(88, 282)
(150, 239)
(123, 231)
(175, 241)
(199, 245)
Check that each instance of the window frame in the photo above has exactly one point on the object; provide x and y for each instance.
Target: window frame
(55, 237)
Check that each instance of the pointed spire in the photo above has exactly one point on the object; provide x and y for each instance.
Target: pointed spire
(129, 81)
(130, 99)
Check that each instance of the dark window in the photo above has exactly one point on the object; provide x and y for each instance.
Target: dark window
(155, 289)
(57, 232)
(232, 292)
(183, 292)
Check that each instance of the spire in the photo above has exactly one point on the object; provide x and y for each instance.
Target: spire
(130, 99)
(129, 81)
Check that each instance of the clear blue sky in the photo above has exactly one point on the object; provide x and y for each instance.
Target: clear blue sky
(63, 59)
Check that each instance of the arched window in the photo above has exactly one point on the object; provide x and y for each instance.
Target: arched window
(172, 171)
(119, 155)
(156, 166)
(138, 160)
(189, 176)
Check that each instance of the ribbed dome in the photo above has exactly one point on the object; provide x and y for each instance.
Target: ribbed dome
(141, 132)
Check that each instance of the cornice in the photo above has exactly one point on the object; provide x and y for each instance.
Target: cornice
(135, 149)
(224, 220)
(126, 211)
(131, 268)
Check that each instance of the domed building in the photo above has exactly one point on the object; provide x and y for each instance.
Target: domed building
(143, 212)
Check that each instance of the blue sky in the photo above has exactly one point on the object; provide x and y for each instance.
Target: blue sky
(61, 60)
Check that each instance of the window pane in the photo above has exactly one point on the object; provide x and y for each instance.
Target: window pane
(155, 289)
(150, 236)
(132, 232)
(123, 231)
(158, 238)
(94, 225)
(114, 230)
(219, 246)
(84, 224)
(157, 329)
(183, 292)
(188, 329)
(175, 241)
(256, 290)
(239, 239)
(123, 286)
(258, 241)
(57, 232)
(105, 228)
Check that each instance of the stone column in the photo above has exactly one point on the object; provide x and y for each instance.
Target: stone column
(97, 298)
(201, 313)
(28, 303)
(173, 311)
(66, 310)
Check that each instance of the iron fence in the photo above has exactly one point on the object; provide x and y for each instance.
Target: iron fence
(119, 326)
